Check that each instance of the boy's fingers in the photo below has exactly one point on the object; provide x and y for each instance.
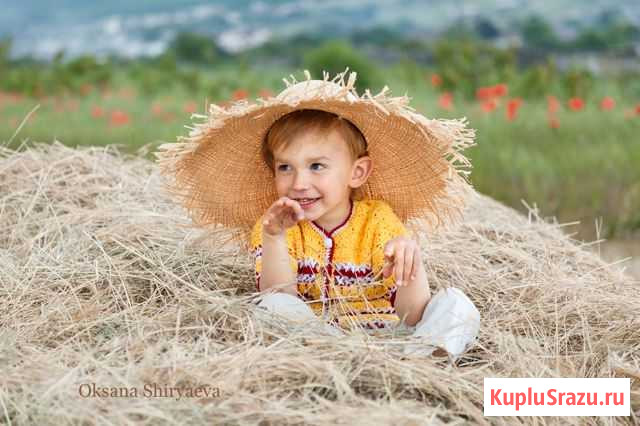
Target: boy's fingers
(295, 216)
(282, 206)
(388, 250)
(399, 267)
(297, 209)
(284, 202)
(416, 265)
(268, 218)
(288, 204)
(286, 209)
(408, 265)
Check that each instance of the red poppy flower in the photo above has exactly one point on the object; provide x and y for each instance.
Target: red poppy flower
(576, 104)
(14, 97)
(157, 109)
(119, 118)
(484, 93)
(512, 108)
(607, 103)
(190, 107)
(240, 94)
(637, 109)
(168, 116)
(436, 80)
(265, 93)
(445, 101)
(488, 106)
(500, 90)
(97, 112)
(552, 104)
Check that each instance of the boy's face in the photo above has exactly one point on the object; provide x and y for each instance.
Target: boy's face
(319, 166)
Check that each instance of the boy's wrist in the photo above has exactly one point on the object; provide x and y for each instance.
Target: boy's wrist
(273, 237)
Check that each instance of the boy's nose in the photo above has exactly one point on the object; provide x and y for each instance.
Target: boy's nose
(300, 181)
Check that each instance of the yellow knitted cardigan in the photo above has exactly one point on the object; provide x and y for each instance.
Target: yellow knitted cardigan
(335, 268)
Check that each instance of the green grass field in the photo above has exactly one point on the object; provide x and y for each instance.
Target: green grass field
(586, 169)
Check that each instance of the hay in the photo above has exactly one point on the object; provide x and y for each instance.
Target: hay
(102, 281)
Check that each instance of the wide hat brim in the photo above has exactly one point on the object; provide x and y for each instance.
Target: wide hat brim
(218, 174)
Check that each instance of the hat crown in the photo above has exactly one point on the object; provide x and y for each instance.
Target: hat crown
(314, 89)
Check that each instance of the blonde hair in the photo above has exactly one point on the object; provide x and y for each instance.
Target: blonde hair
(287, 127)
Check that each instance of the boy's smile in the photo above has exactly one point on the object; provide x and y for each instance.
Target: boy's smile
(316, 170)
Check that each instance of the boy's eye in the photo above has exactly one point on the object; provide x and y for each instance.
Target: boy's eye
(283, 167)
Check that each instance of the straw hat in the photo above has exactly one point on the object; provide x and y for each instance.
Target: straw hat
(220, 177)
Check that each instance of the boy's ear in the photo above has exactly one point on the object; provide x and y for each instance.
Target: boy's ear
(361, 171)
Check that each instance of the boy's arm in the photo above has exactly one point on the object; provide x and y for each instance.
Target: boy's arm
(409, 300)
(412, 298)
(276, 265)
(271, 252)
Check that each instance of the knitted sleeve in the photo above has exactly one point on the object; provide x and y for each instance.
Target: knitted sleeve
(387, 226)
(256, 251)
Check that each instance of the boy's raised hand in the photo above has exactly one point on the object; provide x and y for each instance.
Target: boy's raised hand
(402, 257)
(281, 215)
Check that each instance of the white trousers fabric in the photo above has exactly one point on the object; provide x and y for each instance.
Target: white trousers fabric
(295, 309)
(450, 321)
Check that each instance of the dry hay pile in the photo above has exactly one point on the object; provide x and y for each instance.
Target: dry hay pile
(102, 282)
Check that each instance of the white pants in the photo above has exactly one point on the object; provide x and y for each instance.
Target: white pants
(450, 321)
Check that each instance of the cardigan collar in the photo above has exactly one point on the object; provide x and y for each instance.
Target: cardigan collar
(335, 230)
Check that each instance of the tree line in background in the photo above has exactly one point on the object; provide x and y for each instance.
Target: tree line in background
(464, 57)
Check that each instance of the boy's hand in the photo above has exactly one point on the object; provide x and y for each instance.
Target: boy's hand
(402, 257)
(281, 215)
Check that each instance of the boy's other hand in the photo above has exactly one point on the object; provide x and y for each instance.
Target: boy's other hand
(402, 257)
(282, 215)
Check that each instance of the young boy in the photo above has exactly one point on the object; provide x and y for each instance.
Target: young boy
(326, 179)
(318, 161)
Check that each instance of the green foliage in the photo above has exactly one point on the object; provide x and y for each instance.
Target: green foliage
(5, 49)
(629, 81)
(617, 35)
(578, 82)
(81, 71)
(609, 35)
(465, 64)
(485, 28)
(536, 32)
(536, 81)
(57, 77)
(195, 48)
(459, 31)
(335, 56)
(378, 36)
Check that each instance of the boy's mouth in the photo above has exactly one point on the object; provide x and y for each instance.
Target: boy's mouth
(306, 202)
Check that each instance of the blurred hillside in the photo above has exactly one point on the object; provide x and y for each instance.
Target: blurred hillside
(146, 28)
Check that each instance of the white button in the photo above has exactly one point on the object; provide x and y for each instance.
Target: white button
(328, 242)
